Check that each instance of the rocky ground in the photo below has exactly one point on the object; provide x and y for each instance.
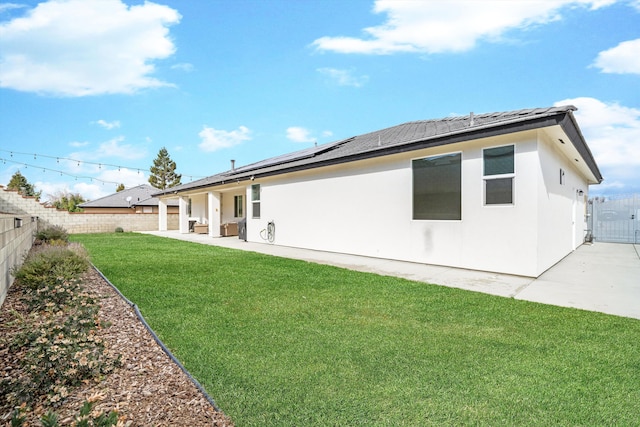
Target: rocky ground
(148, 389)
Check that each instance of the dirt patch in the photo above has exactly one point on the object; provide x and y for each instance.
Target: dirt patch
(148, 389)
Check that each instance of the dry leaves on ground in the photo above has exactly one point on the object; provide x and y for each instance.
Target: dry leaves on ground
(148, 389)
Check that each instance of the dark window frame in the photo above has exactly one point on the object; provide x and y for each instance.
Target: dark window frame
(238, 206)
(437, 187)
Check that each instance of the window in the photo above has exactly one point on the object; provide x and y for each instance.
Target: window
(255, 200)
(499, 171)
(437, 187)
(237, 207)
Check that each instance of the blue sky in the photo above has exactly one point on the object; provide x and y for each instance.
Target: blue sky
(91, 90)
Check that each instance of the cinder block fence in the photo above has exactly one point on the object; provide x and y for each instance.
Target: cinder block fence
(16, 237)
(20, 218)
(80, 222)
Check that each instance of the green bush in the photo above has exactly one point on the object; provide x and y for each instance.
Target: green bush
(119, 230)
(51, 266)
(54, 232)
(56, 340)
(60, 351)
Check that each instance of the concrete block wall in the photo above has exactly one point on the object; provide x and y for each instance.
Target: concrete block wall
(15, 243)
(79, 222)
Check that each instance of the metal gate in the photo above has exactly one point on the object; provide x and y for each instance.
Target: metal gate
(615, 219)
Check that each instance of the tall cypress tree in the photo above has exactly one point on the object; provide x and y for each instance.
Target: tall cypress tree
(163, 171)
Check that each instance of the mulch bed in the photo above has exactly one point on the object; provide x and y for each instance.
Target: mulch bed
(148, 389)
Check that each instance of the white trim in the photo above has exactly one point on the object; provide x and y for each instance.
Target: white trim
(486, 178)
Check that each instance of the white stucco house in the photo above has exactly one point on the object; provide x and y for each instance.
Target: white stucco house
(502, 192)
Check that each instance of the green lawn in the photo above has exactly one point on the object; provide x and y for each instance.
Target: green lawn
(284, 342)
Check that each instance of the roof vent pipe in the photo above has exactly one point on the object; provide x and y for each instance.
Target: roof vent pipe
(233, 165)
(471, 121)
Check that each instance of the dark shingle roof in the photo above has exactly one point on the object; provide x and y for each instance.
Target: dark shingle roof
(141, 195)
(407, 137)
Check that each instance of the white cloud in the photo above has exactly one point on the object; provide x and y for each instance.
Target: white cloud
(612, 132)
(108, 125)
(128, 177)
(185, 66)
(115, 148)
(9, 6)
(299, 134)
(327, 133)
(100, 185)
(93, 191)
(621, 59)
(215, 139)
(85, 47)
(447, 26)
(344, 77)
(77, 144)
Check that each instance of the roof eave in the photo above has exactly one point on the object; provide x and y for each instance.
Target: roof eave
(476, 132)
(570, 127)
(564, 118)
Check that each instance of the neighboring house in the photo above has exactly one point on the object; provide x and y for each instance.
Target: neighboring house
(135, 200)
(502, 192)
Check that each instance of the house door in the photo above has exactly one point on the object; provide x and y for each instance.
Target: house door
(616, 219)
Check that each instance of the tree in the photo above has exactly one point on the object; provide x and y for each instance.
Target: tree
(67, 201)
(19, 182)
(119, 188)
(163, 171)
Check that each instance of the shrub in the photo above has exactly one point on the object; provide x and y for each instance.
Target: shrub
(54, 232)
(119, 230)
(51, 266)
(85, 418)
(57, 342)
(59, 353)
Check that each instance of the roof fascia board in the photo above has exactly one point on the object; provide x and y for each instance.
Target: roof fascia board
(570, 128)
(563, 118)
(435, 141)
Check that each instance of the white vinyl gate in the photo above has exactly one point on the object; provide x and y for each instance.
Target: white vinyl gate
(615, 219)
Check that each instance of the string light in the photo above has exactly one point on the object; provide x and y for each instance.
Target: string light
(77, 161)
(62, 173)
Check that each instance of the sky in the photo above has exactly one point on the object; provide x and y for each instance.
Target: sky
(91, 90)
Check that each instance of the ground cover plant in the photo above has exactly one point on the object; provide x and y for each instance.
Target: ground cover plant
(59, 339)
(49, 346)
(286, 342)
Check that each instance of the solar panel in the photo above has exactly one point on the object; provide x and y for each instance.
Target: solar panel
(289, 157)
